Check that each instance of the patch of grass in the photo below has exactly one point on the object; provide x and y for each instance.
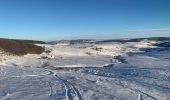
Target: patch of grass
(20, 47)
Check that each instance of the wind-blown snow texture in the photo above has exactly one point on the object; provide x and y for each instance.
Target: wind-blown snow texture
(89, 71)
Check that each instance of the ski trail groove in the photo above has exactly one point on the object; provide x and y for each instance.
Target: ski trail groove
(135, 90)
(32, 75)
(51, 89)
(72, 92)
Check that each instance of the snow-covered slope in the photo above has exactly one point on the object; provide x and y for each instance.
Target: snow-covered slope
(88, 71)
(77, 55)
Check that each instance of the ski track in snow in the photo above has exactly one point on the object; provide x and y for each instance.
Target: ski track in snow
(72, 92)
(138, 80)
(32, 75)
(122, 82)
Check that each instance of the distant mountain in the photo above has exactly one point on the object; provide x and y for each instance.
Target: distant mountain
(136, 39)
(80, 41)
(73, 41)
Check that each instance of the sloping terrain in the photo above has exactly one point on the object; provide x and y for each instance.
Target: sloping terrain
(90, 71)
(20, 47)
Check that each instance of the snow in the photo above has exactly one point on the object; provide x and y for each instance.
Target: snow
(89, 71)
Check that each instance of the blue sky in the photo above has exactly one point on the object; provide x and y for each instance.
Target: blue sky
(73, 19)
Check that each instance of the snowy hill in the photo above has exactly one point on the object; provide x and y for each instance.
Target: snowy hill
(89, 70)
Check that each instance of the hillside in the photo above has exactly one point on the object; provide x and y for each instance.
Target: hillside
(86, 70)
(20, 47)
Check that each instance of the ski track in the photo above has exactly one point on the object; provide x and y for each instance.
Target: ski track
(120, 82)
(72, 92)
(32, 75)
